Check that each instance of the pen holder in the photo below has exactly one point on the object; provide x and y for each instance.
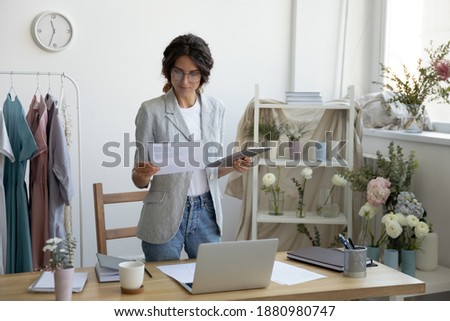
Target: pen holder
(355, 262)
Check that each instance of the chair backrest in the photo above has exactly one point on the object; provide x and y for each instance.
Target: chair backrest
(100, 200)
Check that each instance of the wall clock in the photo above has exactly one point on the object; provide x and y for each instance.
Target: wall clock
(52, 31)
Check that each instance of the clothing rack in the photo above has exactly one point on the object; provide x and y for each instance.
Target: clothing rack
(77, 91)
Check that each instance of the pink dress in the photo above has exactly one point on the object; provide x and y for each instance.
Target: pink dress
(37, 120)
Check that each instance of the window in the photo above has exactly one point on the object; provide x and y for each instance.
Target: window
(410, 26)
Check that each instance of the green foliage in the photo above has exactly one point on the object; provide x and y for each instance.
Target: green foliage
(268, 131)
(315, 241)
(398, 170)
(300, 189)
(294, 130)
(359, 178)
(413, 89)
(62, 252)
(395, 167)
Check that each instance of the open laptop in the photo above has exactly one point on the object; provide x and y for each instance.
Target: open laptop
(229, 266)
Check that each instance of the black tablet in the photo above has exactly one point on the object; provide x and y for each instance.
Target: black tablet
(228, 160)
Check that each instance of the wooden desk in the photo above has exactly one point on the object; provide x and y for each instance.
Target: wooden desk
(381, 281)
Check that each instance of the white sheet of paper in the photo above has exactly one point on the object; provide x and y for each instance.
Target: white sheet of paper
(282, 273)
(175, 160)
(288, 274)
(183, 273)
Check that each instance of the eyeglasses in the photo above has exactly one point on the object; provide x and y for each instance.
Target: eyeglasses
(193, 76)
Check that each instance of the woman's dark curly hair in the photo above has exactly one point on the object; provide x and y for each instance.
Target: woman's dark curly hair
(195, 48)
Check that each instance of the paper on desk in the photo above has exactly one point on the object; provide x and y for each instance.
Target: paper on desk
(172, 159)
(288, 274)
(46, 282)
(282, 273)
(183, 273)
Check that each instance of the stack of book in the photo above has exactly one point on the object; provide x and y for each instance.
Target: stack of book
(107, 268)
(303, 97)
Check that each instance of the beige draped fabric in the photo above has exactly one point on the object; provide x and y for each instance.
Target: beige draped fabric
(240, 185)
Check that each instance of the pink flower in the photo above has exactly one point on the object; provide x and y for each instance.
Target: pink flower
(443, 69)
(378, 191)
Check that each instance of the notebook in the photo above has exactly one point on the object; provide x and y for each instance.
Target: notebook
(230, 266)
(107, 268)
(110, 262)
(329, 258)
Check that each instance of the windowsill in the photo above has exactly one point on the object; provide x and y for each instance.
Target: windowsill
(426, 137)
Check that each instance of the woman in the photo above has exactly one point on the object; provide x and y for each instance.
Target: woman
(181, 209)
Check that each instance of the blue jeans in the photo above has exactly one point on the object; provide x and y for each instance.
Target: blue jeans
(197, 226)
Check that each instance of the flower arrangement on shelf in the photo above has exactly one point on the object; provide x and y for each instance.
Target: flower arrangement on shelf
(395, 168)
(408, 204)
(407, 227)
(404, 231)
(377, 194)
(269, 130)
(306, 174)
(337, 180)
(62, 252)
(294, 130)
(271, 186)
(386, 187)
(429, 82)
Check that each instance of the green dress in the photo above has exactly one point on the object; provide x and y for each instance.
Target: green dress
(18, 258)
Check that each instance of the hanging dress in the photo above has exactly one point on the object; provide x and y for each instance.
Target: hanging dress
(59, 173)
(37, 120)
(17, 215)
(5, 151)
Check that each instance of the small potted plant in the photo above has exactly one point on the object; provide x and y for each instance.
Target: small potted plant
(61, 263)
(294, 131)
(412, 89)
(269, 134)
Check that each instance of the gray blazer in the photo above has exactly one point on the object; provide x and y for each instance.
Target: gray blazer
(159, 120)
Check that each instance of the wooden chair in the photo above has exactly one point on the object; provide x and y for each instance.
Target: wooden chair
(100, 200)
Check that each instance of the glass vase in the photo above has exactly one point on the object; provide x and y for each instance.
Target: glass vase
(326, 204)
(412, 119)
(276, 203)
(363, 237)
(300, 211)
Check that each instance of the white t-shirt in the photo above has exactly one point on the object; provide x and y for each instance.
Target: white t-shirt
(192, 117)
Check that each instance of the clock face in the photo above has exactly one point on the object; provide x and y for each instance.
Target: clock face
(52, 31)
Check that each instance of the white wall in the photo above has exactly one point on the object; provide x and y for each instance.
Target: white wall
(116, 60)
